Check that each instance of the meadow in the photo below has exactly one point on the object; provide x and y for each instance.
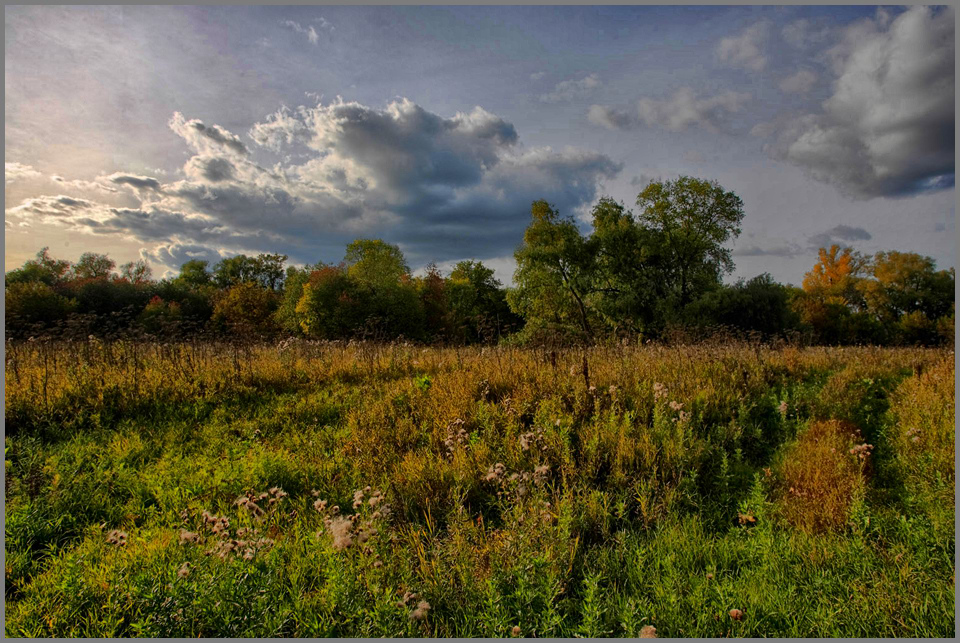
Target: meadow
(308, 488)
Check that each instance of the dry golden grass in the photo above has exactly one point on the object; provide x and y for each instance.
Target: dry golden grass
(819, 476)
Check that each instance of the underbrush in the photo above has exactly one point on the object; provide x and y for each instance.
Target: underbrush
(330, 489)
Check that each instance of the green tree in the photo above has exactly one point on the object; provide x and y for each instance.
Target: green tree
(478, 303)
(331, 305)
(265, 270)
(554, 274)
(245, 308)
(386, 292)
(136, 272)
(195, 273)
(375, 263)
(93, 266)
(43, 268)
(904, 283)
(760, 304)
(694, 218)
(32, 303)
(629, 289)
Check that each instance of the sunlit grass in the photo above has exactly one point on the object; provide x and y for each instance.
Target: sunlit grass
(490, 491)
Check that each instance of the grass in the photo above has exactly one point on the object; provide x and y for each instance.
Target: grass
(331, 489)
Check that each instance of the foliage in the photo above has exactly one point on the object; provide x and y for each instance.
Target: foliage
(245, 308)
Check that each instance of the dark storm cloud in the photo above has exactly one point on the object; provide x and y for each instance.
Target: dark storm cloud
(888, 128)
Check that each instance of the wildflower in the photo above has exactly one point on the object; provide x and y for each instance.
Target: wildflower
(515, 630)
(676, 406)
(320, 505)
(188, 537)
(541, 473)
(357, 499)
(709, 576)
(340, 530)
(421, 612)
(525, 441)
(377, 564)
(184, 571)
(495, 472)
(117, 537)
(684, 416)
(659, 391)
(783, 407)
(245, 502)
(648, 632)
(612, 390)
(407, 597)
(736, 614)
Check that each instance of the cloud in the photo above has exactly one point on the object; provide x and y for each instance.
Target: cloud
(838, 235)
(134, 181)
(537, 75)
(643, 180)
(176, 254)
(799, 83)
(681, 111)
(16, 171)
(611, 118)
(308, 31)
(570, 89)
(888, 128)
(804, 33)
(746, 49)
(444, 188)
(206, 139)
(777, 250)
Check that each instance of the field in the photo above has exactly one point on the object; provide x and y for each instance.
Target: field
(334, 489)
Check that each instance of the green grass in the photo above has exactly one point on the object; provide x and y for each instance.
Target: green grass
(624, 511)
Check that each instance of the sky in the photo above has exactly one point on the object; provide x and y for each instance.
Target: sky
(174, 133)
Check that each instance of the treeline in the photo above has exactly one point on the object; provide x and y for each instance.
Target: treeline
(645, 275)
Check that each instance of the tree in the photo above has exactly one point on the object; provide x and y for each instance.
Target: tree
(265, 270)
(385, 289)
(43, 268)
(93, 266)
(835, 276)
(331, 304)
(694, 219)
(433, 291)
(375, 263)
(30, 303)
(478, 303)
(554, 274)
(761, 305)
(136, 272)
(195, 273)
(629, 289)
(245, 308)
(904, 283)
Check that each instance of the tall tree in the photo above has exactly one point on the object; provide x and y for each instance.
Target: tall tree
(554, 272)
(695, 219)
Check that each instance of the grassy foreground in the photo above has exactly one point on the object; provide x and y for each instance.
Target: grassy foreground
(324, 489)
